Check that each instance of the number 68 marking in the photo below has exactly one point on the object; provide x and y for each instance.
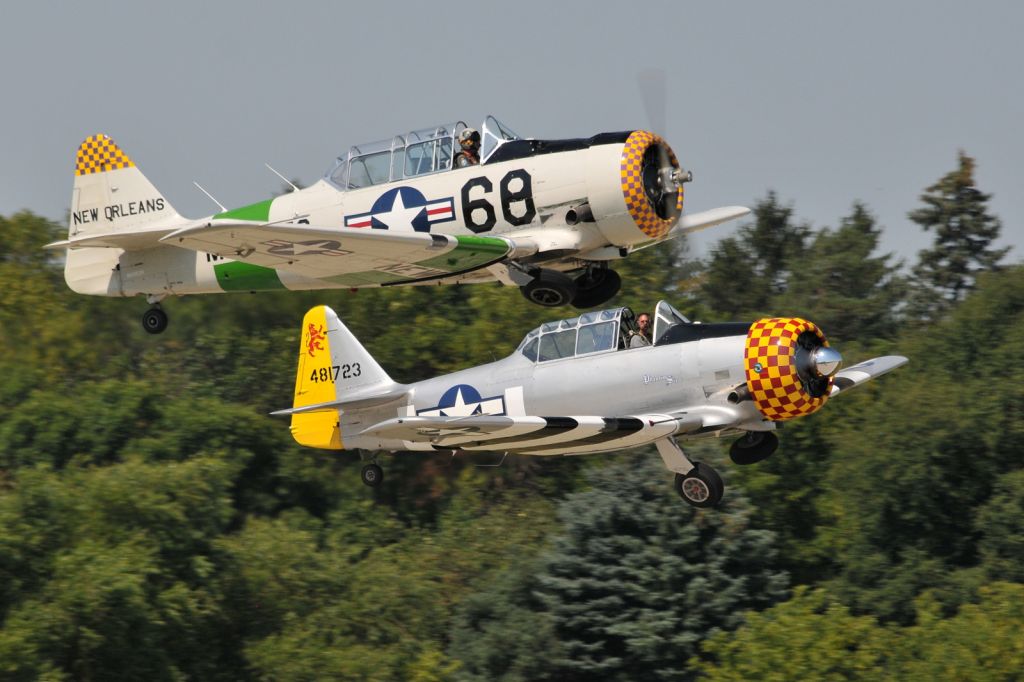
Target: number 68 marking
(512, 201)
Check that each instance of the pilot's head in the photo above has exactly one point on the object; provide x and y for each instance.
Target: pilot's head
(469, 138)
(644, 322)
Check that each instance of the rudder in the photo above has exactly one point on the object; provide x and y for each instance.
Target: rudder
(111, 194)
(332, 363)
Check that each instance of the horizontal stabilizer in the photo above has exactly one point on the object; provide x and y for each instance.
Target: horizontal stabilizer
(862, 372)
(129, 241)
(354, 400)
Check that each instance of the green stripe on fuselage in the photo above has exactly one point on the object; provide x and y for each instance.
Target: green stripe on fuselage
(258, 211)
(236, 276)
(470, 253)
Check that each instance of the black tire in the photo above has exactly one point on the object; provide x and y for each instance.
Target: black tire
(753, 447)
(154, 320)
(596, 287)
(702, 487)
(550, 289)
(372, 475)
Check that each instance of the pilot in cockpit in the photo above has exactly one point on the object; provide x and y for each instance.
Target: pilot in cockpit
(469, 140)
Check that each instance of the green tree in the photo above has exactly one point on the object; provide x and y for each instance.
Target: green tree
(844, 288)
(810, 637)
(813, 636)
(632, 583)
(746, 272)
(920, 460)
(957, 211)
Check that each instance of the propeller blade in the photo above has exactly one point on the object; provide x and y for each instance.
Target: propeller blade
(652, 91)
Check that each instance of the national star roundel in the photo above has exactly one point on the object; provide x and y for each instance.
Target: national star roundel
(462, 400)
(406, 209)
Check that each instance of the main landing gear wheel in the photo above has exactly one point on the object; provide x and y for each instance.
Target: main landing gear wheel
(595, 287)
(701, 487)
(550, 289)
(372, 475)
(154, 320)
(753, 447)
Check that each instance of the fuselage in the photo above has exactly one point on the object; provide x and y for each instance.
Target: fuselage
(579, 200)
(674, 383)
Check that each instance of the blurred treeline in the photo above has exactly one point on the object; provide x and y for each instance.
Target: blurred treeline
(156, 524)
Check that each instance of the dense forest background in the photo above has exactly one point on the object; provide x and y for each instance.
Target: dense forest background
(156, 523)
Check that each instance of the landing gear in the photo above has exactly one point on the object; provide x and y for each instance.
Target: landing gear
(753, 447)
(698, 484)
(550, 289)
(154, 320)
(372, 474)
(596, 286)
(701, 487)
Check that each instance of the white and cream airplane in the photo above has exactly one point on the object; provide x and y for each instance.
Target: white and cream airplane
(548, 216)
(580, 386)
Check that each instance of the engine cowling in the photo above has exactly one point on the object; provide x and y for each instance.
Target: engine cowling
(654, 200)
(789, 367)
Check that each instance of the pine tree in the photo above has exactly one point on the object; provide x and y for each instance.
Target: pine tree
(747, 271)
(842, 287)
(633, 583)
(964, 231)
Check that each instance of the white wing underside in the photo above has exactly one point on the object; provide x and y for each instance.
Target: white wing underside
(322, 252)
(862, 372)
(532, 435)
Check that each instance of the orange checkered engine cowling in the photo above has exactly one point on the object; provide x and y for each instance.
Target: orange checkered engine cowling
(780, 388)
(637, 156)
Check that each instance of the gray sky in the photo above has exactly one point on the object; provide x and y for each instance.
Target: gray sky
(825, 102)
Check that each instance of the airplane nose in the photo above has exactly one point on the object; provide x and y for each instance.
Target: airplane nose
(826, 361)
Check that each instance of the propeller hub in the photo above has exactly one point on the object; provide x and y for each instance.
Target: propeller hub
(826, 361)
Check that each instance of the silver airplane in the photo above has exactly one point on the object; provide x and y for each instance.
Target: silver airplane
(587, 384)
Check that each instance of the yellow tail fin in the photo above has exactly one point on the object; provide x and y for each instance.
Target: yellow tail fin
(316, 382)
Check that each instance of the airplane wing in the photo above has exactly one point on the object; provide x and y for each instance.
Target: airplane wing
(855, 375)
(347, 256)
(532, 435)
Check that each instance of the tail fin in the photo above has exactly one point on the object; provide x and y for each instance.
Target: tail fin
(332, 364)
(111, 194)
(113, 206)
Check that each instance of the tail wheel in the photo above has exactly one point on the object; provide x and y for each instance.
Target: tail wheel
(372, 475)
(701, 487)
(550, 289)
(596, 287)
(753, 447)
(154, 320)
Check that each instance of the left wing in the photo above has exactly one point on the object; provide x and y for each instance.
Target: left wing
(532, 435)
(344, 255)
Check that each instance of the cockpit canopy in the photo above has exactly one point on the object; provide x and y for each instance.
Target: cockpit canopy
(599, 331)
(419, 152)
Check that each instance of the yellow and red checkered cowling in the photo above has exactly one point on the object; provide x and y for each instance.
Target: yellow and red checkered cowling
(770, 363)
(631, 174)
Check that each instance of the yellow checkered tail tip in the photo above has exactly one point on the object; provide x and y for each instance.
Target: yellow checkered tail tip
(98, 154)
(770, 361)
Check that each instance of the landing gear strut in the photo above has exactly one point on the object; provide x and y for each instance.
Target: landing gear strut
(154, 320)
(697, 483)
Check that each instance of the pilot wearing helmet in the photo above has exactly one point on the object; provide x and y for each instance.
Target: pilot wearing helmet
(469, 140)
